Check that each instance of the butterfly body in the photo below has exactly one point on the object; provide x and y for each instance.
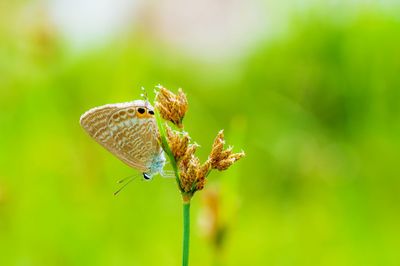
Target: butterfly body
(129, 131)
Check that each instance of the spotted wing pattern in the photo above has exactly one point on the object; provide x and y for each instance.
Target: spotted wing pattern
(124, 131)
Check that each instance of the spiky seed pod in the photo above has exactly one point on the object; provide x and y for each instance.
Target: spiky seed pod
(237, 156)
(183, 146)
(178, 142)
(188, 177)
(183, 164)
(226, 153)
(221, 159)
(217, 148)
(172, 107)
(185, 182)
(202, 173)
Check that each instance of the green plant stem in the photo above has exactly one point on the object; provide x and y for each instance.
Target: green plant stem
(185, 196)
(167, 149)
(186, 231)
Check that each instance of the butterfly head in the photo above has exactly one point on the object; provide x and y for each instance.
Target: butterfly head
(143, 109)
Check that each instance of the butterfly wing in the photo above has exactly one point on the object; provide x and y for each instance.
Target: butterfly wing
(130, 135)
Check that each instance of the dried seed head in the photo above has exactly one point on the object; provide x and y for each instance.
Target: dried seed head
(192, 174)
(185, 181)
(172, 107)
(178, 142)
(226, 153)
(188, 177)
(217, 148)
(200, 184)
(202, 174)
(237, 156)
(183, 146)
(183, 164)
(219, 158)
(224, 164)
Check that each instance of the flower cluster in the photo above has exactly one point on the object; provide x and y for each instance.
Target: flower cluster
(221, 159)
(192, 173)
(172, 107)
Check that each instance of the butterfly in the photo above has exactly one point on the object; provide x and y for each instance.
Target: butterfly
(129, 131)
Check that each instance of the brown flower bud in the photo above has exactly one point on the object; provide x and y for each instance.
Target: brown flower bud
(172, 107)
(178, 142)
(226, 153)
(188, 155)
(237, 156)
(221, 159)
(202, 173)
(188, 177)
(217, 148)
(185, 181)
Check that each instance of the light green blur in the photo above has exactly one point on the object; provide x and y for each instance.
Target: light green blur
(316, 109)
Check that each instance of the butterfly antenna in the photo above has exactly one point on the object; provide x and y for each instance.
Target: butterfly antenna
(127, 183)
(124, 179)
(144, 94)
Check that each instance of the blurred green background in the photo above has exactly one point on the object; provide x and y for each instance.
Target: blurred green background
(310, 91)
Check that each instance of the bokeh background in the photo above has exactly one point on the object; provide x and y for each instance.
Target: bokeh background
(310, 90)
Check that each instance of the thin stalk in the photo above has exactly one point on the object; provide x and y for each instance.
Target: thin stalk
(185, 196)
(167, 150)
(186, 231)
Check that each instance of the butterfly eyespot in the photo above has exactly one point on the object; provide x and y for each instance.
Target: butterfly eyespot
(151, 112)
(131, 111)
(122, 113)
(141, 110)
(115, 116)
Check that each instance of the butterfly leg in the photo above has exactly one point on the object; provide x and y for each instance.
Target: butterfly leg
(167, 174)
